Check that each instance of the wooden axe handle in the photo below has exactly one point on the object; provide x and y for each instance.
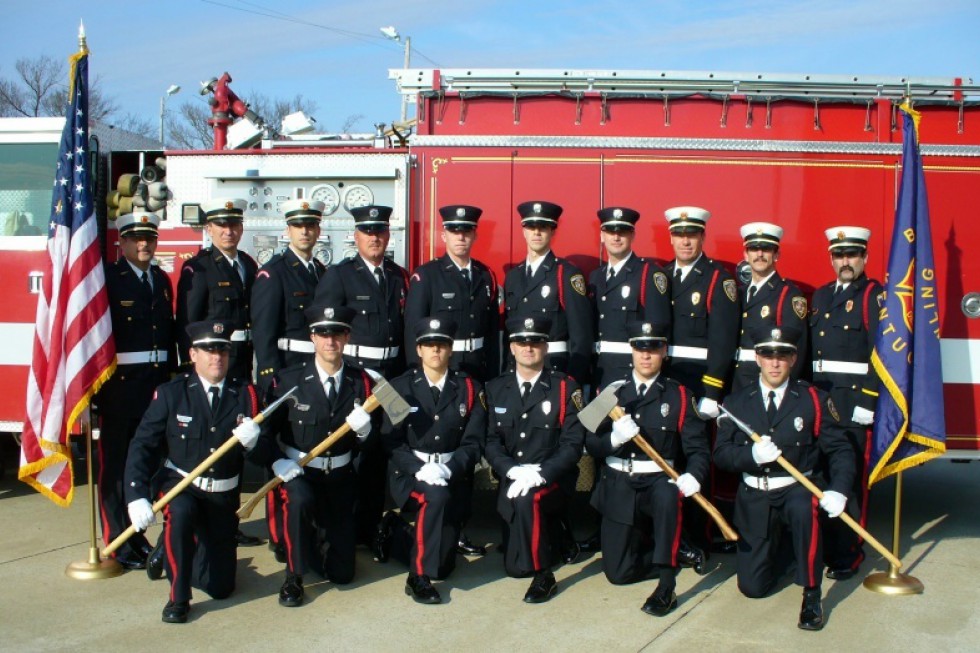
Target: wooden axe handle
(246, 510)
(726, 529)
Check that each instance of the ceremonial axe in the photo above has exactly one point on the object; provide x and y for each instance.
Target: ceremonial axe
(607, 405)
(382, 395)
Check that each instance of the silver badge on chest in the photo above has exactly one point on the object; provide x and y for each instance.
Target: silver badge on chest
(798, 423)
(665, 409)
(546, 407)
(545, 291)
(625, 292)
(462, 410)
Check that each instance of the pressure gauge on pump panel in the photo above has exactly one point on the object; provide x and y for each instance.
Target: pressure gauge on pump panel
(327, 194)
(357, 195)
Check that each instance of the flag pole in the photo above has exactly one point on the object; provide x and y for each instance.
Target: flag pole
(892, 581)
(94, 568)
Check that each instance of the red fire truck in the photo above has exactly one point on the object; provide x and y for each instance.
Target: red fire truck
(806, 152)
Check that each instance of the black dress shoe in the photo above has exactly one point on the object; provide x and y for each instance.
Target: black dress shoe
(176, 613)
(129, 559)
(661, 603)
(247, 540)
(689, 555)
(467, 548)
(291, 592)
(840, 573)
(381, 544)
(154, 562)
(592, 544)
(279, 550)
(144, 548)
(420, 588)
(811, 613)
(543, 587)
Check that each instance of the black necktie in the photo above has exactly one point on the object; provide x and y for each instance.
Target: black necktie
(838, 289)
(611, 275)
(147, 288)
(527, 390)
(379, 273)
(236, 266)
(643, 390)
(435, 394)
(752, 290)
(527, 272)
(771, 408)
(215, 397)
(330, 389)
(677, 275)
(312, 268)
(467, 279)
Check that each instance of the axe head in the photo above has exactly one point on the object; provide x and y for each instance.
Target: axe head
(592, 415)
(391, 402)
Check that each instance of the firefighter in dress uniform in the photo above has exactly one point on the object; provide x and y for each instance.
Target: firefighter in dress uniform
(458, 288)
(546, 286)
(534, 442)
(375, 287)
(704, 335)
(141, 305)
(633, 494)
(188, 419)
(319, 497)
(284, 289)
(801, 423)
(769, 300)
(217, 285)
(843, 324)
(432, 455)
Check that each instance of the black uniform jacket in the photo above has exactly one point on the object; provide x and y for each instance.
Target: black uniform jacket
(843, 327)
(777, 303)
(563, 301)
(179, 426)
(304, 422)
(669, 422)
(640, 291)
(705, 315)
(545, 430)
(379, 321)
(458, 424)
(283, 289)
(209, 289)
(438, 289)
(139, 324)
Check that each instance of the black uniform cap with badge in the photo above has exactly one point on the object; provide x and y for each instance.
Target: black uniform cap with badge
(761, 235)
(647, 336)
(539, 214)
(325, 320)
(771, 341)
(223, 211)
(210, 335)
(138, 224)
(371, 219)
(848, 241)
(432, 329)
(617, 218)
(528, 329)
(460, 217)
(302, 212)
(683, 220)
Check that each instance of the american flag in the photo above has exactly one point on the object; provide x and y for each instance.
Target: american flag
(74, 352)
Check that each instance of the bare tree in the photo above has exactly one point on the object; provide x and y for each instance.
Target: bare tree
(188, 129)
(350, 122)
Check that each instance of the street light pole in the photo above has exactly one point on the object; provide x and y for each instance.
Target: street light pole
(172, 90)
(391, 33)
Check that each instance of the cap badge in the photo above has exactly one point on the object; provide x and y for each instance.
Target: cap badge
(536, 208)
(305, 206)
(373, 213)
(758, 232)
(144, 218)
(218, 328)
(683, 215)
(777, 334)
(328, 313)
(647, 329)
(229, 205)
(617, 213)
(528, 323)
(460, 212)
(840, 235)
(434, 324)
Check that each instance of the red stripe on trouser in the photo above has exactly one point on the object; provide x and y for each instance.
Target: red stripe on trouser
(811, 554)
(419, 530)
(864, 485)
(270, 516)
(536, 525)
(285, 531)
(169, 548)
(107, 534)
(676, 543)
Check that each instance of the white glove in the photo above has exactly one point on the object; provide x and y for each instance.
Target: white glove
(286, 469)
(444, 471)
(527, 473)
(833, 503)
(359, 421)
(431, 474)
(247, 433)
(518, 488)
(708, 408)
(863, 416)
(624, 429)
(687, 485)
(534, 478)
(764, 451)
(141, 514)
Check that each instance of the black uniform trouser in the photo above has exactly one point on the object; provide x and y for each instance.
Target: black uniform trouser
(432, 551)
(320, 500)
(763, 519)
(534, 530)
(113, 446)
(199, 542)
(657, 502)
(843, 548)
(240, 361)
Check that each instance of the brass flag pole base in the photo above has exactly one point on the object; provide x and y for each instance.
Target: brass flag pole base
(893, 583)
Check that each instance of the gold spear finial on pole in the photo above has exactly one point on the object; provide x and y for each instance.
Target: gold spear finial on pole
(82, 45)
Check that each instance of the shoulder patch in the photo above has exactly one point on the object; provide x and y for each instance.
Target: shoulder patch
(577, 399)
(578, 283)
(660, 281)
(799, 307)
(832, 409)
(730, 290)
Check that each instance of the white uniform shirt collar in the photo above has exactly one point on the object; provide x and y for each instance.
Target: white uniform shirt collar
(686, 269)
(637, 382)
(533, 381)
(780, 392)
(536, 264)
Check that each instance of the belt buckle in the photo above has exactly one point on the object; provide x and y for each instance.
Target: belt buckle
(329, 464)
(820, 365)
(765, 483)
(154, 356)
(629, 466)
(208, 484)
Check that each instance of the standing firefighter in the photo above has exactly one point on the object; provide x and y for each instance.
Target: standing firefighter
(141, 304)
(188, 419)
(534, 441)
(843, 324)
(800, 422)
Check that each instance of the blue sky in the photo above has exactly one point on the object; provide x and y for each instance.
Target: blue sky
(334, 53)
